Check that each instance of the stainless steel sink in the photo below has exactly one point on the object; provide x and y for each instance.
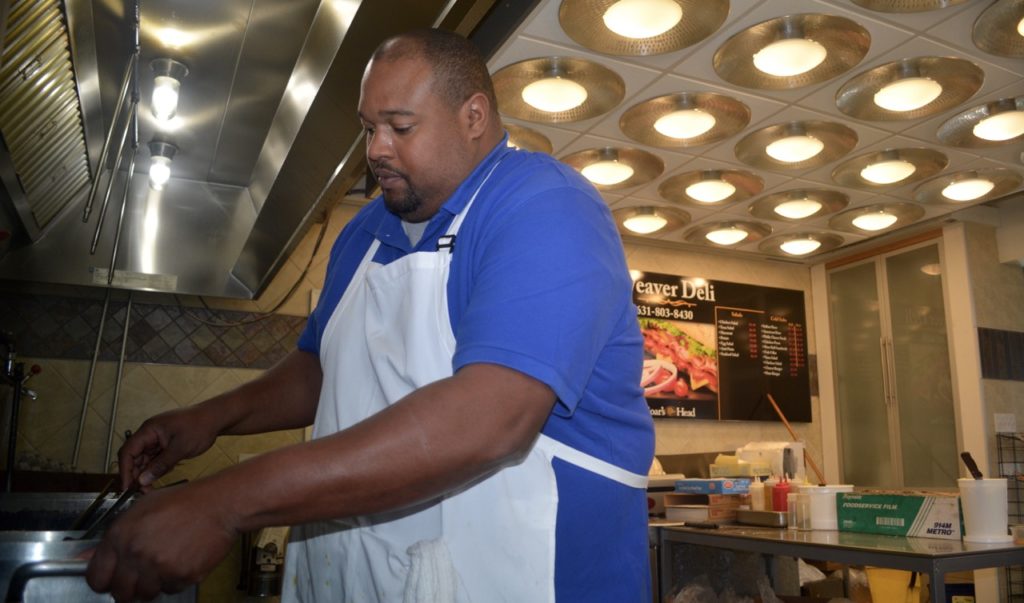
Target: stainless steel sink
(39, 553)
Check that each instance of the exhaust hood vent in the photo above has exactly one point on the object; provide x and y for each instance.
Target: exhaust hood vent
(40, 116)
(265, 130)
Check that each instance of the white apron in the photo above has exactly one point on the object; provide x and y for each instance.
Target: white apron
(494, 541)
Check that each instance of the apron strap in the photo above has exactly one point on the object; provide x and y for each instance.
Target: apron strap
(591, 463)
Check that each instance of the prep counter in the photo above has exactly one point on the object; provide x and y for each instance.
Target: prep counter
(930, 556)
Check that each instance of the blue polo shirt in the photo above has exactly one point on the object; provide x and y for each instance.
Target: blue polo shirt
(538, 283)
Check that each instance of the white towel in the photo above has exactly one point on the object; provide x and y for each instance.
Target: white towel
(431, 574)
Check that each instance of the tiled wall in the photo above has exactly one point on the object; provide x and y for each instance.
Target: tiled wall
(178, 352)
(998, 294)
(65, 327)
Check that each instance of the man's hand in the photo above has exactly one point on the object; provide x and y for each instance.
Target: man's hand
(161, 442)
(167, 540)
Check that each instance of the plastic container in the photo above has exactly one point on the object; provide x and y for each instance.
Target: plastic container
(823, 505)
(803, 511)
(792, 521)
(769, 486)
(757, 495)
(779, 494)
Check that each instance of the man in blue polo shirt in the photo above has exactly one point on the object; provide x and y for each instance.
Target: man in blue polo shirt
(472, 368)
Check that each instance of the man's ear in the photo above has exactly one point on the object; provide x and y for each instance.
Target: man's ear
(476, 114)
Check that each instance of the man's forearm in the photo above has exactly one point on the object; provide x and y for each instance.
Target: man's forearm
(439, 438)
(283, 397)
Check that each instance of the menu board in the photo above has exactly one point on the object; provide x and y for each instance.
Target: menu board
(715, 350)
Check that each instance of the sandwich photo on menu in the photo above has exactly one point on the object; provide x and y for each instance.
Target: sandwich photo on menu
(680, 360)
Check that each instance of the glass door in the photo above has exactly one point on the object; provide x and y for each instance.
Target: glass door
(919, 356)
(893, 386)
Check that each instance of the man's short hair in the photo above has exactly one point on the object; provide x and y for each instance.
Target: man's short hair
(459, 69)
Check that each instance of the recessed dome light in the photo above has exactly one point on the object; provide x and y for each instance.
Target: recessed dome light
(798, 209)
(645, 223)
(607, 172)
(640, 19)
(888, 172)
(785, 58)
(875, 221)
(554, 94)
(794, 149)
(800, 246)
(908, 94)
(686, 123)
(710, 191)
(726, 236)
(968, 190)
(1001, 126)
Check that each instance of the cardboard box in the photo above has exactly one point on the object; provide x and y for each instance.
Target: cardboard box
(715, 508)
(923, 515)
(718, 485)
(657, 487)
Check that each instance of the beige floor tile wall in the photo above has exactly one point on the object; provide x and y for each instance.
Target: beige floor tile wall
(49, 425)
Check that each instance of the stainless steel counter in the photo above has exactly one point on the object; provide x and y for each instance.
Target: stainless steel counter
(930, 556)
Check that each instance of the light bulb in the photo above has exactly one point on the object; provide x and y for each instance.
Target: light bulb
(968, 190)
(554, 94)
(798, 209)
(726, 236)
(800, 246)
(640, 19)
(794, 56)
(888, 172)
(794, 149)
(686, 123)
(1001, 126)
(874, 221)
(607, 172)
(174, 38)
(165, 97)
(908, 94)
(710, 191)
(159, 171)
(645, 223)
(1020, 26)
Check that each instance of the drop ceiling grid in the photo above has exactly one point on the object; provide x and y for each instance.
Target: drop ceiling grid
(700, 65)
(957, 32)
(942, 32)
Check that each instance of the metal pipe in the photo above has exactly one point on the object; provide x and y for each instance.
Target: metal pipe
(125, 83)
(117, 383)
(17, 375)
(124, 197)
(88, 381)
(113, 176)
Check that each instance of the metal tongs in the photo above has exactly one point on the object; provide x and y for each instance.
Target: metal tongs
(104, 517)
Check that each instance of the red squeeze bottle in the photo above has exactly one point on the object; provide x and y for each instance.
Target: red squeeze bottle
(779, 493)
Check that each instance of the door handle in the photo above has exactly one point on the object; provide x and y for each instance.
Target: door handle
(884, 351)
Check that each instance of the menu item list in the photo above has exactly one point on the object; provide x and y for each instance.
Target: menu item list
(714, 349)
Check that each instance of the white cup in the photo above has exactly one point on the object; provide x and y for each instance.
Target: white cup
(983, 502)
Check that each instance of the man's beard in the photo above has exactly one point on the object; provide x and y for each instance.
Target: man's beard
(401, 203)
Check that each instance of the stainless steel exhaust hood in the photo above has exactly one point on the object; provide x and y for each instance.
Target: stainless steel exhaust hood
(266, 135)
